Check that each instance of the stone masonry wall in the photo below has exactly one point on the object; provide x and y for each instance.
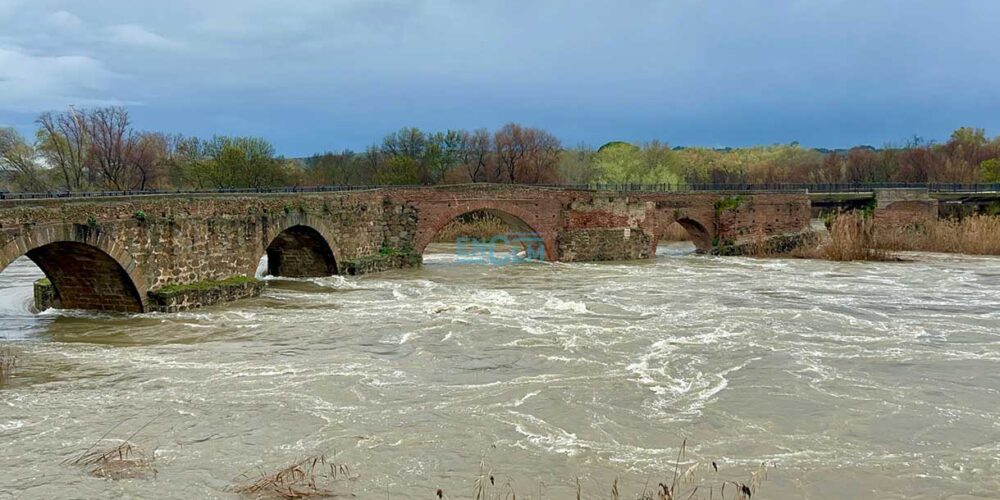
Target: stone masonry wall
(111, 253)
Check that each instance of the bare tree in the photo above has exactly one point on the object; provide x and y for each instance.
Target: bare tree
(63, 141)
(112, 145)
(474, 153)
(509, 143)
(146, 161)
(525, 154)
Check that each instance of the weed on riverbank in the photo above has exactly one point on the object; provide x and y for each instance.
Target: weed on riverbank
(314, 476)
(8, 363)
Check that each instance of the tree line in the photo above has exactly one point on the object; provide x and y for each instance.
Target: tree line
(100, 149)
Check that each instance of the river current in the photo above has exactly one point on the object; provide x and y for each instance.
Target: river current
(849, 380)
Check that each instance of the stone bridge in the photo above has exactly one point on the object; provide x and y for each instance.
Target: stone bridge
(170, 252)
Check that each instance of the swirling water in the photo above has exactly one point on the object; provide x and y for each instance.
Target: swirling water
(856, 380)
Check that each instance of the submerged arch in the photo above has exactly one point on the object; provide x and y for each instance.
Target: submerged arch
(84, 275)
(300, 251)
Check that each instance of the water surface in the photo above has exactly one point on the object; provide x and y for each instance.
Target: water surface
(857, 380)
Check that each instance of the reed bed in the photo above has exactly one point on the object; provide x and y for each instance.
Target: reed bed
(8, 363)
(853, 236)
(675, 232)
(976, 235)
(479, 225)
(312, 477)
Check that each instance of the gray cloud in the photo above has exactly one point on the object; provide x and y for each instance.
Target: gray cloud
(327, 74)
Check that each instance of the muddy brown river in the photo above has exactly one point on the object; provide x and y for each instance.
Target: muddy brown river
(849, 380)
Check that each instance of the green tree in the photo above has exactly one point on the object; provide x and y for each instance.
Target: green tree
(624, 163)
(399, 170)
(243, 162)
(989, 170)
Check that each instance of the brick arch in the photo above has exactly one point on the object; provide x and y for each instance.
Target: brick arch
(298, 246)
(431, 221)
(701, 234)
(87, 270)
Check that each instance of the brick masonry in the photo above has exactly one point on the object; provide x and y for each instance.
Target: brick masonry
(904, 207)
(108, 254)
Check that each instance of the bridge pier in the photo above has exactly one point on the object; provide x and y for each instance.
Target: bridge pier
(898, 208)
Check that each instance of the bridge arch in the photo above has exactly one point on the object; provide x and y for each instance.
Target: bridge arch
(517, 218)
(299, 248)
(86, 270)
(699, 233)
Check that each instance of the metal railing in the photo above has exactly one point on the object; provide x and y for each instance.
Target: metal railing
(957, 188)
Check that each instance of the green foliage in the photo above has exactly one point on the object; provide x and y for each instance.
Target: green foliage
(399, 170)
(140, 216)
(989, 170)
(624, 163)
(240, 162)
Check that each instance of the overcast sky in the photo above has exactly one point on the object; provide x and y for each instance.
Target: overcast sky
(326, 75)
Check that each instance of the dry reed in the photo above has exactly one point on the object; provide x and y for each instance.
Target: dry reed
(122, 461)
(478, 225)
(699, 481)
(976, 234)
(8, 363)
(675, 232)
(125, 461)
(314, 477)
(852, 237)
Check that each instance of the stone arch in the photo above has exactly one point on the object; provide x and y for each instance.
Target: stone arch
(514, 216)
(298, 247)
(87, 270)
